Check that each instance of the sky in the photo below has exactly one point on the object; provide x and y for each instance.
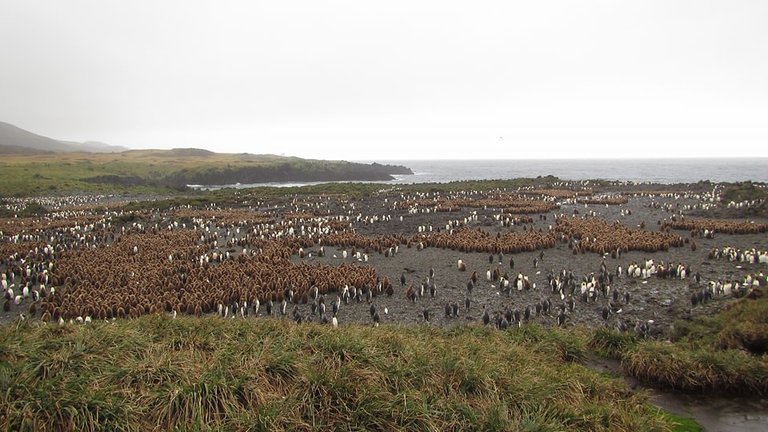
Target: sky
(393, 79)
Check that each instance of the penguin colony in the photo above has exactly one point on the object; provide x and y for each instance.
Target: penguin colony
(310, 258)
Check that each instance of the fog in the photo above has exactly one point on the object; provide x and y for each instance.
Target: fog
(393, 80)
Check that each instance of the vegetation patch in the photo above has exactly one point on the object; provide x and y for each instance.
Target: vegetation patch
(142, 171)
(611, 343)
(158, 373)
(697, 370)
(724, 354)
(742, 326)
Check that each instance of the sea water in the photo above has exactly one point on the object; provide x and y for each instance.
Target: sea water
(665, 171)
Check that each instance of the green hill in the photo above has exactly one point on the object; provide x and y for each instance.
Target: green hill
(165, 170)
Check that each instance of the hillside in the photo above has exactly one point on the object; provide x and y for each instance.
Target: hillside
(37, 165)
(156, 373)
(16, 140)
(165, 170)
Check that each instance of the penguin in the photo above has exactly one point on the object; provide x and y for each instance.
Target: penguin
(561, 319)
(621, 326)
(321, 309)
(410, 294)
(503, 323)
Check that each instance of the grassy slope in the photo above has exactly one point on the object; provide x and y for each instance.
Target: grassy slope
(726, 353)
(156, 373)
(41, 174)
(64, 172)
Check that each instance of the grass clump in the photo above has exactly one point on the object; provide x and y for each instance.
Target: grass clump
(724, 353)
(156, 373)
(697, 370)
(610, 343)
(741, 326)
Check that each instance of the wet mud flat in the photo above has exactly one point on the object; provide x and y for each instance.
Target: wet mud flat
(661, 301)
(658, 302)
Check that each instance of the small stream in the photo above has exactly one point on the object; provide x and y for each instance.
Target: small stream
(712, 413)
(716, 413)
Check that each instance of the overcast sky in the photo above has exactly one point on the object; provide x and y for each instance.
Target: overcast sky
(411, 79)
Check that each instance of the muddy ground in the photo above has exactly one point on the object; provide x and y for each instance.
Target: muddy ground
(660, 300)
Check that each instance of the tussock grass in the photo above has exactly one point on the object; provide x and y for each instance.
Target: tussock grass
(155, 373)
(745, 326)
(610, 343)
(741, 327)
(698, 370)
(725, 353)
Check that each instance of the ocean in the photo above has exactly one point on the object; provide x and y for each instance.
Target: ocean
(665, 171)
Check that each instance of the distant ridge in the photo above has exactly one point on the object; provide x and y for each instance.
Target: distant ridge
(15, 140)
(92, 166)
(21, 151)
(184, 152)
